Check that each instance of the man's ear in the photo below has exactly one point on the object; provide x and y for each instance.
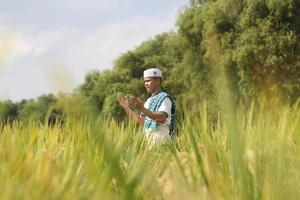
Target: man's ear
(158, 80)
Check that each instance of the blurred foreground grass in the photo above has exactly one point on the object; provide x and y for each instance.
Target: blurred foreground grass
(102, 160)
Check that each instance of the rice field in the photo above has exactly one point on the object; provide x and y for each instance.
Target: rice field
(247, 155)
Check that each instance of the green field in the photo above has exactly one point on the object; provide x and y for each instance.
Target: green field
(244, 155)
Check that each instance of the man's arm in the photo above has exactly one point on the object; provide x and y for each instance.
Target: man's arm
(133, 115)
(125, 105)
(158, 116)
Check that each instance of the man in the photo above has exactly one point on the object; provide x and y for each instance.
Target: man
(158, 113)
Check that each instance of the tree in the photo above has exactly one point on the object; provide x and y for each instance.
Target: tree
(8, 112)
(37, 109)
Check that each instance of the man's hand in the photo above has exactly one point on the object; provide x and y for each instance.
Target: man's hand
(123, 101)
(136, 103)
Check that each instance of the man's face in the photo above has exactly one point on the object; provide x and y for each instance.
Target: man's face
(151, 84)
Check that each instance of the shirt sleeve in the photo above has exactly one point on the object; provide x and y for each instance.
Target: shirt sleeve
(166, 106)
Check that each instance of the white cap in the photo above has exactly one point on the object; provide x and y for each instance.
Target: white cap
(153, 72)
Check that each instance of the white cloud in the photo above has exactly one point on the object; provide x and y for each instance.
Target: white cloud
(100, 48)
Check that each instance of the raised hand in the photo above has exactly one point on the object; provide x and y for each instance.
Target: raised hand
(123, 101)
(136, 102)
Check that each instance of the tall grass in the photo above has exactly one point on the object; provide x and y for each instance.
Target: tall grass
(101, 159)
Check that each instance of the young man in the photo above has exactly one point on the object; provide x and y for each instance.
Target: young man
(158, 113)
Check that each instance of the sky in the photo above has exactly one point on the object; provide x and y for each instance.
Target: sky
(49, 46)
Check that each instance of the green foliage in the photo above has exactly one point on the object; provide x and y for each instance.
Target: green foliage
(26, 109)
(37, 109)
(98, 86)
(8, 111)
(261, 40)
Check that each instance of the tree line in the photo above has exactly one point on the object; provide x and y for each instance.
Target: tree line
(248, 48)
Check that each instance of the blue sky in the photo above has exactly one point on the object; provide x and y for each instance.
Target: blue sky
(49, 46)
